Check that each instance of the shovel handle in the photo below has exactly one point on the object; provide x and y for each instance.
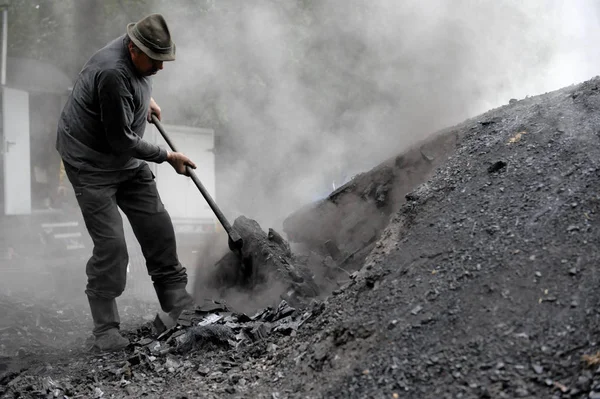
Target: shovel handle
(235, 240)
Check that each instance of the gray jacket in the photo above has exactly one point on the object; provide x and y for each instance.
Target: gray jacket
(102, 124)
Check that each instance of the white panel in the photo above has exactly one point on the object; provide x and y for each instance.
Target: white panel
(17, 169)
(180, 195)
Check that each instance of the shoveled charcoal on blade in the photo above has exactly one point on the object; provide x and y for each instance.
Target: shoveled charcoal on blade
(278, 239)
(264, 262)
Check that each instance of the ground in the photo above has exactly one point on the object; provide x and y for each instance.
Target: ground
(482, 284)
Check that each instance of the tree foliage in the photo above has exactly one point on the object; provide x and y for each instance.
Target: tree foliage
(66, 32)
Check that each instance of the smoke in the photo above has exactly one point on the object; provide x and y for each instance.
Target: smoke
(308, 93)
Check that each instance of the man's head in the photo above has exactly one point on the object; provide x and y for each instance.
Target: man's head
(150, 44)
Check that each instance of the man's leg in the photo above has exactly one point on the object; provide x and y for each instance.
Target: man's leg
(107, 267)
(153, 228)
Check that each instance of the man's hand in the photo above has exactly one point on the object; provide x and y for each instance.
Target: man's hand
(179, 162)
(154, 109)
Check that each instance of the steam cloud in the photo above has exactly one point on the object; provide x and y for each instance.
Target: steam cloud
(314, 92)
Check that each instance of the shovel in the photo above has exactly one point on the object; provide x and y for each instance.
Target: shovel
(235, 240)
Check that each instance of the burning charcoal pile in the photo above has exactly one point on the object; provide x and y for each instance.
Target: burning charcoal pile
(346, 225)
(266, 257)
(266, 260)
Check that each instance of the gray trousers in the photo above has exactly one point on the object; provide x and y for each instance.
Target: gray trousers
(99, 195)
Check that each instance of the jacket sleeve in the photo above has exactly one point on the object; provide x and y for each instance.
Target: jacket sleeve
(116, 112)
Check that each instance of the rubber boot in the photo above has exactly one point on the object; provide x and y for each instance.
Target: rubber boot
(173, 302)
(106, 325)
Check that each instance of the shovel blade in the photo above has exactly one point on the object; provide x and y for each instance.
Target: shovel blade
(235, 241)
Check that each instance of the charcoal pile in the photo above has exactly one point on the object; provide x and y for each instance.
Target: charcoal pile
(482, 283)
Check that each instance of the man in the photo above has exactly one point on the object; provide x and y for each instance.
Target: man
(100, 139)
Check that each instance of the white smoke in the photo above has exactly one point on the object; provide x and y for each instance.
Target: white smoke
(313, 92)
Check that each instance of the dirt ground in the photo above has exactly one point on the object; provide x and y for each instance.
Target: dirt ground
(477, 282)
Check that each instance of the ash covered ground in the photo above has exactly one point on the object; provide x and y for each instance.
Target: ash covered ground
(463, 268)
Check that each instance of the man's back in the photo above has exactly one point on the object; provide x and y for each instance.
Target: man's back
(85, 138)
